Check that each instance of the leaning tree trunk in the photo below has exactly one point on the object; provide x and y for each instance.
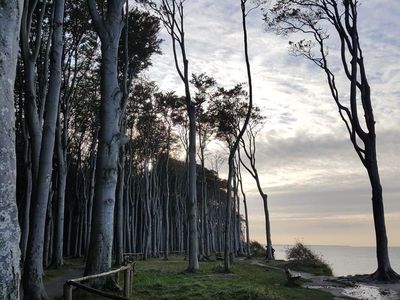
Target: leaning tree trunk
(270, 255)
(33, 272)
(101, 240)
(10, 254)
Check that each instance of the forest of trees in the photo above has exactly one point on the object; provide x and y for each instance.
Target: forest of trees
(97, 161)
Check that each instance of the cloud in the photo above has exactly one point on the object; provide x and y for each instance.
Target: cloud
(304, 156)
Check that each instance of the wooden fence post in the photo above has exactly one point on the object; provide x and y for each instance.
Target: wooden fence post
(127, 282)
(67, 291)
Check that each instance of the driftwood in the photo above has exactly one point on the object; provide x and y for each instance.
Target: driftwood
(291, 277)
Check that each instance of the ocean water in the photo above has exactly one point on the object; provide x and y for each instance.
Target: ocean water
(346, 260)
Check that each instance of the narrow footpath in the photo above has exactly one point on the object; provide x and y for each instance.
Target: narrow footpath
(54, 286)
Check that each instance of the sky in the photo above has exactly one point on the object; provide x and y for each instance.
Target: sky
(318, 190)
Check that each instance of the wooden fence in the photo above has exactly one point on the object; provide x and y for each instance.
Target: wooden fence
(128, 271)
(129, 257)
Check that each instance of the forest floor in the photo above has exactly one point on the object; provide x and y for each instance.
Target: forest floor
(54, 279)
(253, 279)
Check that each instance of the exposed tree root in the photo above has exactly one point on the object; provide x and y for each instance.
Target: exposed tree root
(386, 276)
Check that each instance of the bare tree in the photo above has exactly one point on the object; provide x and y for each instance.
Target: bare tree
(315, 18)
(10, 273)
(249, 148)
(171, 13)
(233, 149)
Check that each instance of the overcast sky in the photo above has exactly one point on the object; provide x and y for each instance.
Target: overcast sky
(319, 192)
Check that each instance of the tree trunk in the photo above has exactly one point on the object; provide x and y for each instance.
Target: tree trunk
(384, 271)
(166, 205)
(101, 239)
(10, 254)
(228, 214)
(267, 228)
(192, 199)
(61, 188)
(119, 235)
(33, 283)
(27, 197)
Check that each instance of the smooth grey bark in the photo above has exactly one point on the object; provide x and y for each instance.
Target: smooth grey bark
(33, 270)
(61, 188)
(30, 52)
(27, 195)
(92, 176)
(166, 201)
(171, 13)
(119, 210)
(10, 271)
(192, 199)
(109, 28)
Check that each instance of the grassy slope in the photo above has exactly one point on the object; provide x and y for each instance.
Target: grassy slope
(157, 279)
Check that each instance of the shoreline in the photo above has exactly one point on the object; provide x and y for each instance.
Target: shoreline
(347, 287)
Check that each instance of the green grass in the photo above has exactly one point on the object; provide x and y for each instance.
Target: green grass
(313, 267)
(158, 279)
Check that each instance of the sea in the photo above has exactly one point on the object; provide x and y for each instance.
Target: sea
(347, 260)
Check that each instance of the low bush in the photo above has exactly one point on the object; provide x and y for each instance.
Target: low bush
(304, 259)
(256, 249)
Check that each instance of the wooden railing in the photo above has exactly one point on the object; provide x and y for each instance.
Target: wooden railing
(128, 257)
(128, 271)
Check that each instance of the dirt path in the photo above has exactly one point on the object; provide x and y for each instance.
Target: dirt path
(54, 286)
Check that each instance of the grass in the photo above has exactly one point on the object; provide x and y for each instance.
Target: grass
(309, 266)
(158, 279)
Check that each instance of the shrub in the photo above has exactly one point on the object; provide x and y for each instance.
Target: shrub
(304, 259)
(257, 249)
(301, 252)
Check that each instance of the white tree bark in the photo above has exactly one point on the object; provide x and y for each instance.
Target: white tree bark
(10, 273)
(109, 28)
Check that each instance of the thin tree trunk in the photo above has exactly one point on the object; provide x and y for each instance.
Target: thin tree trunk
(119, 235)
(33, 281)
(166, 205)
(192, 199)
(61, 188)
